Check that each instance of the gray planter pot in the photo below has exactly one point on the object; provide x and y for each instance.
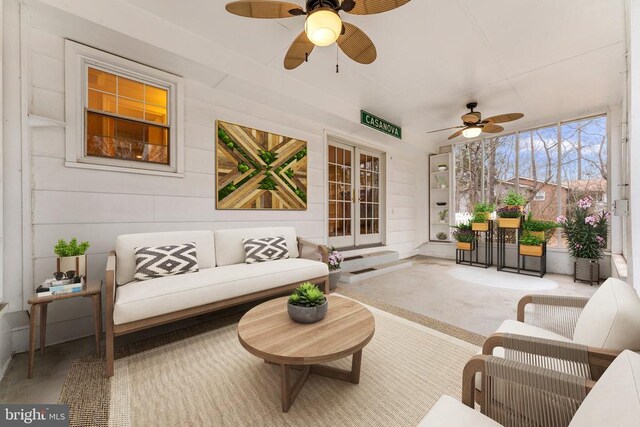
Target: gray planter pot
(307, 314)
(334, 278)
(586, 270)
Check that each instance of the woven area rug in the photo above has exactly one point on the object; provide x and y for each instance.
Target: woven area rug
(203, 376)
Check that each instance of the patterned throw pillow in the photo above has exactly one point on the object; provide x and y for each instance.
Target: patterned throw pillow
(168, 260)
(265, 249)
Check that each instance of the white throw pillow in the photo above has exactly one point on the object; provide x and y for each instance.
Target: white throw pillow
(166, 260)
(265, 249)
(611, 318)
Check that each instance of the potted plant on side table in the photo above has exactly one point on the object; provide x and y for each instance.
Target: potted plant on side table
(307, 304)
(587, 237)
(72, 256)
(335, 270)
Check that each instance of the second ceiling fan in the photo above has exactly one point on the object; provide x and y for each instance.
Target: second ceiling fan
(323, 25)
(473, 124)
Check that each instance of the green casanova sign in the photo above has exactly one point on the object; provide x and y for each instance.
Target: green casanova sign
(377, 123)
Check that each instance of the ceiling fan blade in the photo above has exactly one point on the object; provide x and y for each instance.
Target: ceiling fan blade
(371, 7)
(299, 51)
(471, 117)
(457, 134)
(347, 5)
(440, 130)
(491, 128)
(264, 9)
(357, 45)
(503, 118)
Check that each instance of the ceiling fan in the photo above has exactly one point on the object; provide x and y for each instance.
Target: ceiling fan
(323, 25)
(473, 125)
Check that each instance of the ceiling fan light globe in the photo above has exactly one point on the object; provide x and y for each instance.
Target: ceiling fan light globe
(323, 27)
(472, 132)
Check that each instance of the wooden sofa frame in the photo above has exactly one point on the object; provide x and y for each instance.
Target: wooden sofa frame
(113, 331)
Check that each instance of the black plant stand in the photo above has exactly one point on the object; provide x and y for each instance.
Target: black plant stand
(461, 257)
(488, 248)
(502, 249)
(543, 263)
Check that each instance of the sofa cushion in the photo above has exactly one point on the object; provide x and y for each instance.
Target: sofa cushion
(449, 412)
(615, 399)
(265, 249)
(167, 260)
(611, 318)
(126, 244)
(229, 248)
(142, 300)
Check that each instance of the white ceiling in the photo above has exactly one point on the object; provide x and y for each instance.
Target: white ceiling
(549, 59)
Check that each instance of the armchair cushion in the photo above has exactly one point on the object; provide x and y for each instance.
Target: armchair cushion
(611, 318)
(449, 412)
(615, 399)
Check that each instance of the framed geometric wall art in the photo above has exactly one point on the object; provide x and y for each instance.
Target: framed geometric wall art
(259, 170)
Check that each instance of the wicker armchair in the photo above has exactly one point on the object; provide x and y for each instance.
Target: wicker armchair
(520, 394)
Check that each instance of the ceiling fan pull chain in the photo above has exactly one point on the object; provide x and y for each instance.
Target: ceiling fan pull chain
(306, 57)
(337, 59)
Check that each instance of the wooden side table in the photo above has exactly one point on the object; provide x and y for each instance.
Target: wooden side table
(92, 289)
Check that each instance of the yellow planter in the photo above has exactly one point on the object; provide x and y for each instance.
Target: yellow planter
(509, 222)
(517, 206)
(464, 246)
(480, 226)
(531, 250)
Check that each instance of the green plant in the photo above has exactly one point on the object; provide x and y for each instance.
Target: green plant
(538, 225)
(586, 232)
(307, 295)
(441, 236)
(72, 248)
(513, 199)
(529, 239)
(267, 156)
(464, 226)
(464, 236)
(509, 212)
(483, 208)
(243, 167)
(479, 217)
(443, 214)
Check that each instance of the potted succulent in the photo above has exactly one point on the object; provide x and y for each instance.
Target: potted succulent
(464, 236)
(443, 216)
(441, 236)
(335, 270)
(509, 217)
(442, 167)
(307, 304)
(72, 256)
(586, 233)
(514, 198)
(531, 244)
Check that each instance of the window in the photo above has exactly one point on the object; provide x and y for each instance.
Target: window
(552, 166)
(122, 115)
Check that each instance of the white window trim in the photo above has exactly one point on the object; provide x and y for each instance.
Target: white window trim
(77, 58)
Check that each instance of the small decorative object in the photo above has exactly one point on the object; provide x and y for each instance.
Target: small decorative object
(335, 270)
(509, 217)
(586, 233)
(443, 215)
(464, 236)
(441, 236)
(514, 198)
(441, 203)
(259, 170)
(72, 257)
(442, 168)
(307, 304)
(531, 244)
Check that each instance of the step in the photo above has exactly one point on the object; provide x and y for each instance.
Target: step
(367, 260)
(379, 270)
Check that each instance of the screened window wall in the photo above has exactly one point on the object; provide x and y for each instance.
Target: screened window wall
(552, 166)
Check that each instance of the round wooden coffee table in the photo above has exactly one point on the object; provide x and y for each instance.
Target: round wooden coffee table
(268, 332)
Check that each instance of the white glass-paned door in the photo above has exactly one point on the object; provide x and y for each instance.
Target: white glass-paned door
(355, 196)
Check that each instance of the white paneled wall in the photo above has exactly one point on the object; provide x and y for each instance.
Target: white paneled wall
(98, 205)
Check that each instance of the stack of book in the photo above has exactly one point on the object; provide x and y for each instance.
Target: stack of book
(58, 287)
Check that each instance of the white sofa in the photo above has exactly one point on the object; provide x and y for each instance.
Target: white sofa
(223, 279)
(613, 401)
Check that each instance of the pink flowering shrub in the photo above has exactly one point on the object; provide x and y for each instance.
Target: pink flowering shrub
(335, 259)
(586, 231)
